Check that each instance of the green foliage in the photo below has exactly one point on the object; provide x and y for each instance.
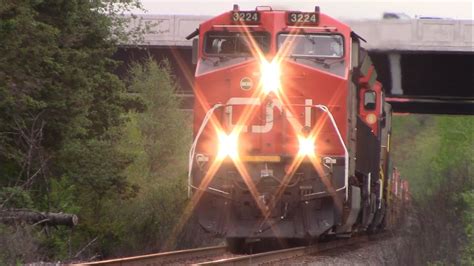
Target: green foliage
(15, 197)
(57, 88)
(158, 138)
(96, 168)
(67, 141)
(435, 154)
(62, 195)
(456, 156)
(61, 113)
(414, 136)
(468, 221)
(163, 125)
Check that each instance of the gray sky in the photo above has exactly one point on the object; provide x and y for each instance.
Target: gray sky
(459, 9)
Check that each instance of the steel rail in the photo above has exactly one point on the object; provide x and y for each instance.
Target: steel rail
(163, 258)
(285, 254)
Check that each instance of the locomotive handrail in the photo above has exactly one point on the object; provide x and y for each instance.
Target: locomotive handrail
(319, 106)
(346, 153)
(193, 146)
(325, 109)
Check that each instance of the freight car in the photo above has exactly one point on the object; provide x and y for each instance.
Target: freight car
(291, 128)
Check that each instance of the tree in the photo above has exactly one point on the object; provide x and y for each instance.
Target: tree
(159, 138)
(61, 107)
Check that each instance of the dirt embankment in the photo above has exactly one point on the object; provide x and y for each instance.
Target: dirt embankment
(373, 253)
(428, 235)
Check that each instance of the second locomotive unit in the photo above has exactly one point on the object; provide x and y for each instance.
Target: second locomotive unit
(291, 129)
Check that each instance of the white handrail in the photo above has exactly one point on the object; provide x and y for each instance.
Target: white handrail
(346, 153)
(193, 146)
(319, 106)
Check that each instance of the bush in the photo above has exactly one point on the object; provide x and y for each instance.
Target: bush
(435, 154)
(159, 139)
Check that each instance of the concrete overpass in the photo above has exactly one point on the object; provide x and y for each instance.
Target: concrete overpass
(425, 65)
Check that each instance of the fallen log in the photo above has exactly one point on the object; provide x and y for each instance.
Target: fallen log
(12, 216)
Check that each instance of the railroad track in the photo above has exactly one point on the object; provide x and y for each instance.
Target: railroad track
(219, 256)
(173, 257)
(276, 256)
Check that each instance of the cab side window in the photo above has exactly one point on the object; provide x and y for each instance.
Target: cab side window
(370, 98)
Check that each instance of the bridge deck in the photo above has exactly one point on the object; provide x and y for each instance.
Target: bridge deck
(425, 65)
(446, 35)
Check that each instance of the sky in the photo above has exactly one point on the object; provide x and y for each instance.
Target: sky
(350, 9)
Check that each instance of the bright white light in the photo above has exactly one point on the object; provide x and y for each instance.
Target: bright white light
(270, 76)
(306, 146)
(227, 145)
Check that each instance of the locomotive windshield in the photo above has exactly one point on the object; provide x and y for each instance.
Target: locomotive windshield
(235, 43)
(313, 45)
(229, 48)
(321, 51)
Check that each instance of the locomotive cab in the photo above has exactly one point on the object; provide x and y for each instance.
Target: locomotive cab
(284, 103)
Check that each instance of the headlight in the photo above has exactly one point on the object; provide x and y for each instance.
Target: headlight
(227, 145)
(371, 119)
(306, 146)
(270, 76)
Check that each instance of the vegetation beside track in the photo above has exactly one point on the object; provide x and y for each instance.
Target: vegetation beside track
(75, 138)
(436, 155)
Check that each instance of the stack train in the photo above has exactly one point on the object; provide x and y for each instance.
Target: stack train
(291, 129)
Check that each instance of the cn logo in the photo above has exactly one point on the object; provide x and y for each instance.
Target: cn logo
(269, 110)
(246, 84)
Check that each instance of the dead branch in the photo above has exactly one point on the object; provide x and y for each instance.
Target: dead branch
(13, 216)
(85, 247)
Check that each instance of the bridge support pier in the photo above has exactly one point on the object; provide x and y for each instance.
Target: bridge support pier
(395, 73)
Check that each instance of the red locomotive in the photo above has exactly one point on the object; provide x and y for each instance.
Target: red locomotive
(291, 129)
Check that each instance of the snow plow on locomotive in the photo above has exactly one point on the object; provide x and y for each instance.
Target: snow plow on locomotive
(291, 129)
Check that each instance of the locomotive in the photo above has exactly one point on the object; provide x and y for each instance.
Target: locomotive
(291, 128)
